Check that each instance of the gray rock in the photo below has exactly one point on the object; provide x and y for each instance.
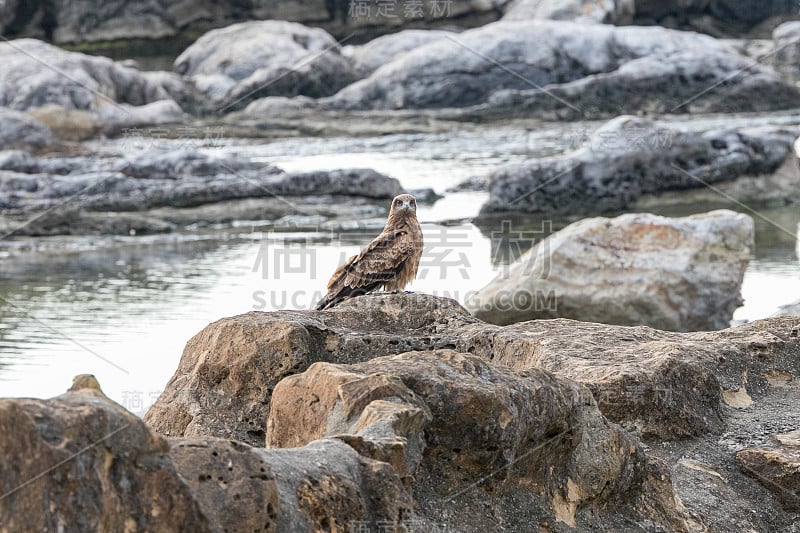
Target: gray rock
(629, 157)
(117, 118)
(64, 21)
(678, 274)
(369, 57)
(102, 195)
(786, 43)
(23, 132)
(732, 18)
(569, 67)
(235, 65)
(605, 11)
(33, 73)
(792, 309)
(690, 81)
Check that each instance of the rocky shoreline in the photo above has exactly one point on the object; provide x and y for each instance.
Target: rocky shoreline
(408, 412)
(403, 410)
(275, 78)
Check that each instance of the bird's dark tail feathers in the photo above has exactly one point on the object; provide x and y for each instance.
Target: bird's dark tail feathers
(324, 304)
(330, 300)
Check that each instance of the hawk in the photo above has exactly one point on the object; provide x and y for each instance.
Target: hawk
(390, 261)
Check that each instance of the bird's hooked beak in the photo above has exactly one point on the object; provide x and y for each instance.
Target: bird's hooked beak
(405, 205)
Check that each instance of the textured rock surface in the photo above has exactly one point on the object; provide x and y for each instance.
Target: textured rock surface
(109, 472)
(325, 486)
(604, 11)
(94, 20)
(371, 56)
(659, 383)
(79, 95)
(156, 179)
(679, 274)
(630, 157)
(233, 66)
(243, 358)
(466, 417)
(116, 119)
(686, 81)
(786, 43)
(33, 73)
(80, 462)
(792, 309)
(565, 69)
(406, 409)
(21, 131)
(67, 124)
(777, 467)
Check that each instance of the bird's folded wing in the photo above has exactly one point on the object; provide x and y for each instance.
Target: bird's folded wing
(380, 261)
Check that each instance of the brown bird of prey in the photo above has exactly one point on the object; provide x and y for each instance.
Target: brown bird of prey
(389, 262)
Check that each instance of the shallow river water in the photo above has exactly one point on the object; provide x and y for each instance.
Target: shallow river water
(124, 310)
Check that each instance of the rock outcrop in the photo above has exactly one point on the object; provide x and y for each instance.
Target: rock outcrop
(792, 309)
(679, 274)
(187, 182)
(235, 65)
(69, 79)
(591, 11)
(95, 21)
(34, 75)
(559, 69)
(466, 412)
(20, 131)
(655, 382)
(777, 467)
(630, 158)
(786, 48)
(444, 419)
(80, 462)
(83, 463)
(369, 57)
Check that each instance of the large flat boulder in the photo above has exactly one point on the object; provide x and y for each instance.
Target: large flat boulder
(35, 73)
(86, 89)
(369, 57)
(591, 11)
(669, 385)
(680, 274)
(563, 69)
(100, 190)
(629, 158)
(235, 65)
